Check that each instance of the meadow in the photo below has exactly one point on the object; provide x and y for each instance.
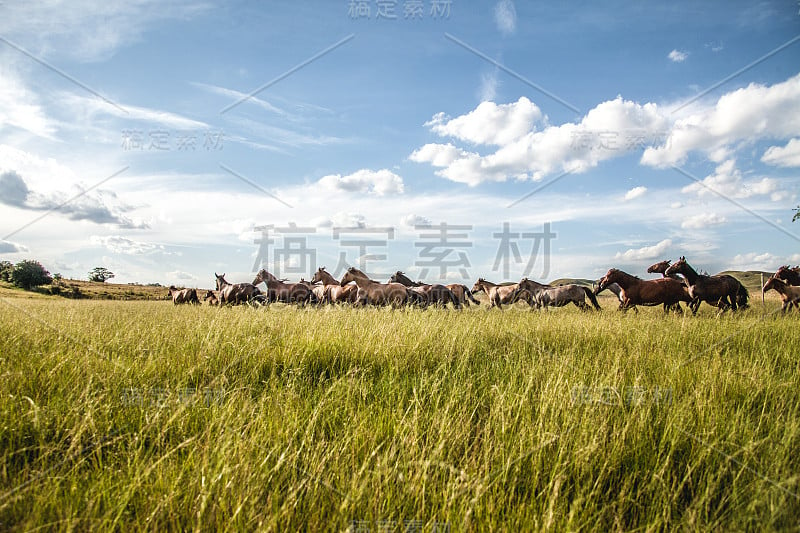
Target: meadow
(140, 415)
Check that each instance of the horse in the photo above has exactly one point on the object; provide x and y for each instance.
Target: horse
(502, 294)
(636, 291)
(613, 287)
(376, 293)
(462, 293)
(721, 291)
(211, 298)
(317, 290)
(435, 294)
(238, 293)
(790, 294)
(332, 292)
(183, 296)
(789, 275)
(280, 291)
(548, 296)
(661, 268)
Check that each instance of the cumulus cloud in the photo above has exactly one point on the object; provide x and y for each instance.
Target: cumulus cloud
(611, 129)
(98, 206)
(738, 118)
(181, 275)
(727, 180)
(763, 261)
(123, 245)
(676, 56)
(703, 220)
(8, 247)
(376, 182)
(415, 220)
(783, 156)
(505, 17)
(20, 108)
(647, 252)
(634, 193)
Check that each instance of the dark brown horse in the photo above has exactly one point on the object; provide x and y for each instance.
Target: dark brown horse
(502, 294)
(636, 291)
(721, 291)
(434, 294)
(333, 292)
(376, 293)
(238, 293)
(789, 275)
(661, 268)
(280, 291)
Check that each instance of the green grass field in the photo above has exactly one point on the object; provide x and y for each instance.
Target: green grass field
(144, 416)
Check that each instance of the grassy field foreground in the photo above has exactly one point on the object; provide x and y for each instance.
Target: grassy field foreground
(145, 416)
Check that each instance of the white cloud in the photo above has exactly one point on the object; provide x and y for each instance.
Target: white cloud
(762, 261)
(676, 56)
(505, 17)
(525, 153)
(123, 245)
(783, 156)
(181, 275)
(738, 118)
(489, 82)
(647, 252)
(634, 193)
(703, 220)
(727, 180)
(19, 107)
(376, 182)
(414, 220)
(489, 123)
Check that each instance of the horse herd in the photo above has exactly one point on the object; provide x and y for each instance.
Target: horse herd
(679, 283)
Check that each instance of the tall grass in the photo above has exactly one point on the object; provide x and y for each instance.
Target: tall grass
(141, 415)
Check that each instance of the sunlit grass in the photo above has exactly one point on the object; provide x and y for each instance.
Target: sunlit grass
(141, 415)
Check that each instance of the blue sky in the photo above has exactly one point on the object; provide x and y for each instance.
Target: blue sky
(638, 131)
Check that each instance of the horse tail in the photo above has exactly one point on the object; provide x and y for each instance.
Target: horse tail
(468, 294)
(454, 299)
(591, 296)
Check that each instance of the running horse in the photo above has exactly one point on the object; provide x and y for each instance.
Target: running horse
(789, 275)
(790, 294)
(721, 291)
(238, 293)
(280, 291)
(636, 291)
(549, 296)
(462, 293)
(376, 293)
(661, 268)
(435, 294)
(502, 294)
(333, 292)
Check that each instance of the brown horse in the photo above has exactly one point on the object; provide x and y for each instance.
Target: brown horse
(183, 296)
(548, 296)
(280, 291)
(333, 292)
(433, 294)
(789, 275)
(461, 292)
(790, 294)
(722, 291)
(211, 298)
(235, 294)
(501, 294)
(376, 293)
(661, 268)
(636, 291)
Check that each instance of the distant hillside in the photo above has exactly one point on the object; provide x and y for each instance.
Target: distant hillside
(568, 281)
(79, 289)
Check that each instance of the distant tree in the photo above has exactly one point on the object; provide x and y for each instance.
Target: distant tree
(5, 270)
(796, 213)
(57, 278)
(100, 274)
(28, 274)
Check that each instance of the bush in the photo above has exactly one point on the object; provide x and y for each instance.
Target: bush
(5, 270)
(29, 274)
